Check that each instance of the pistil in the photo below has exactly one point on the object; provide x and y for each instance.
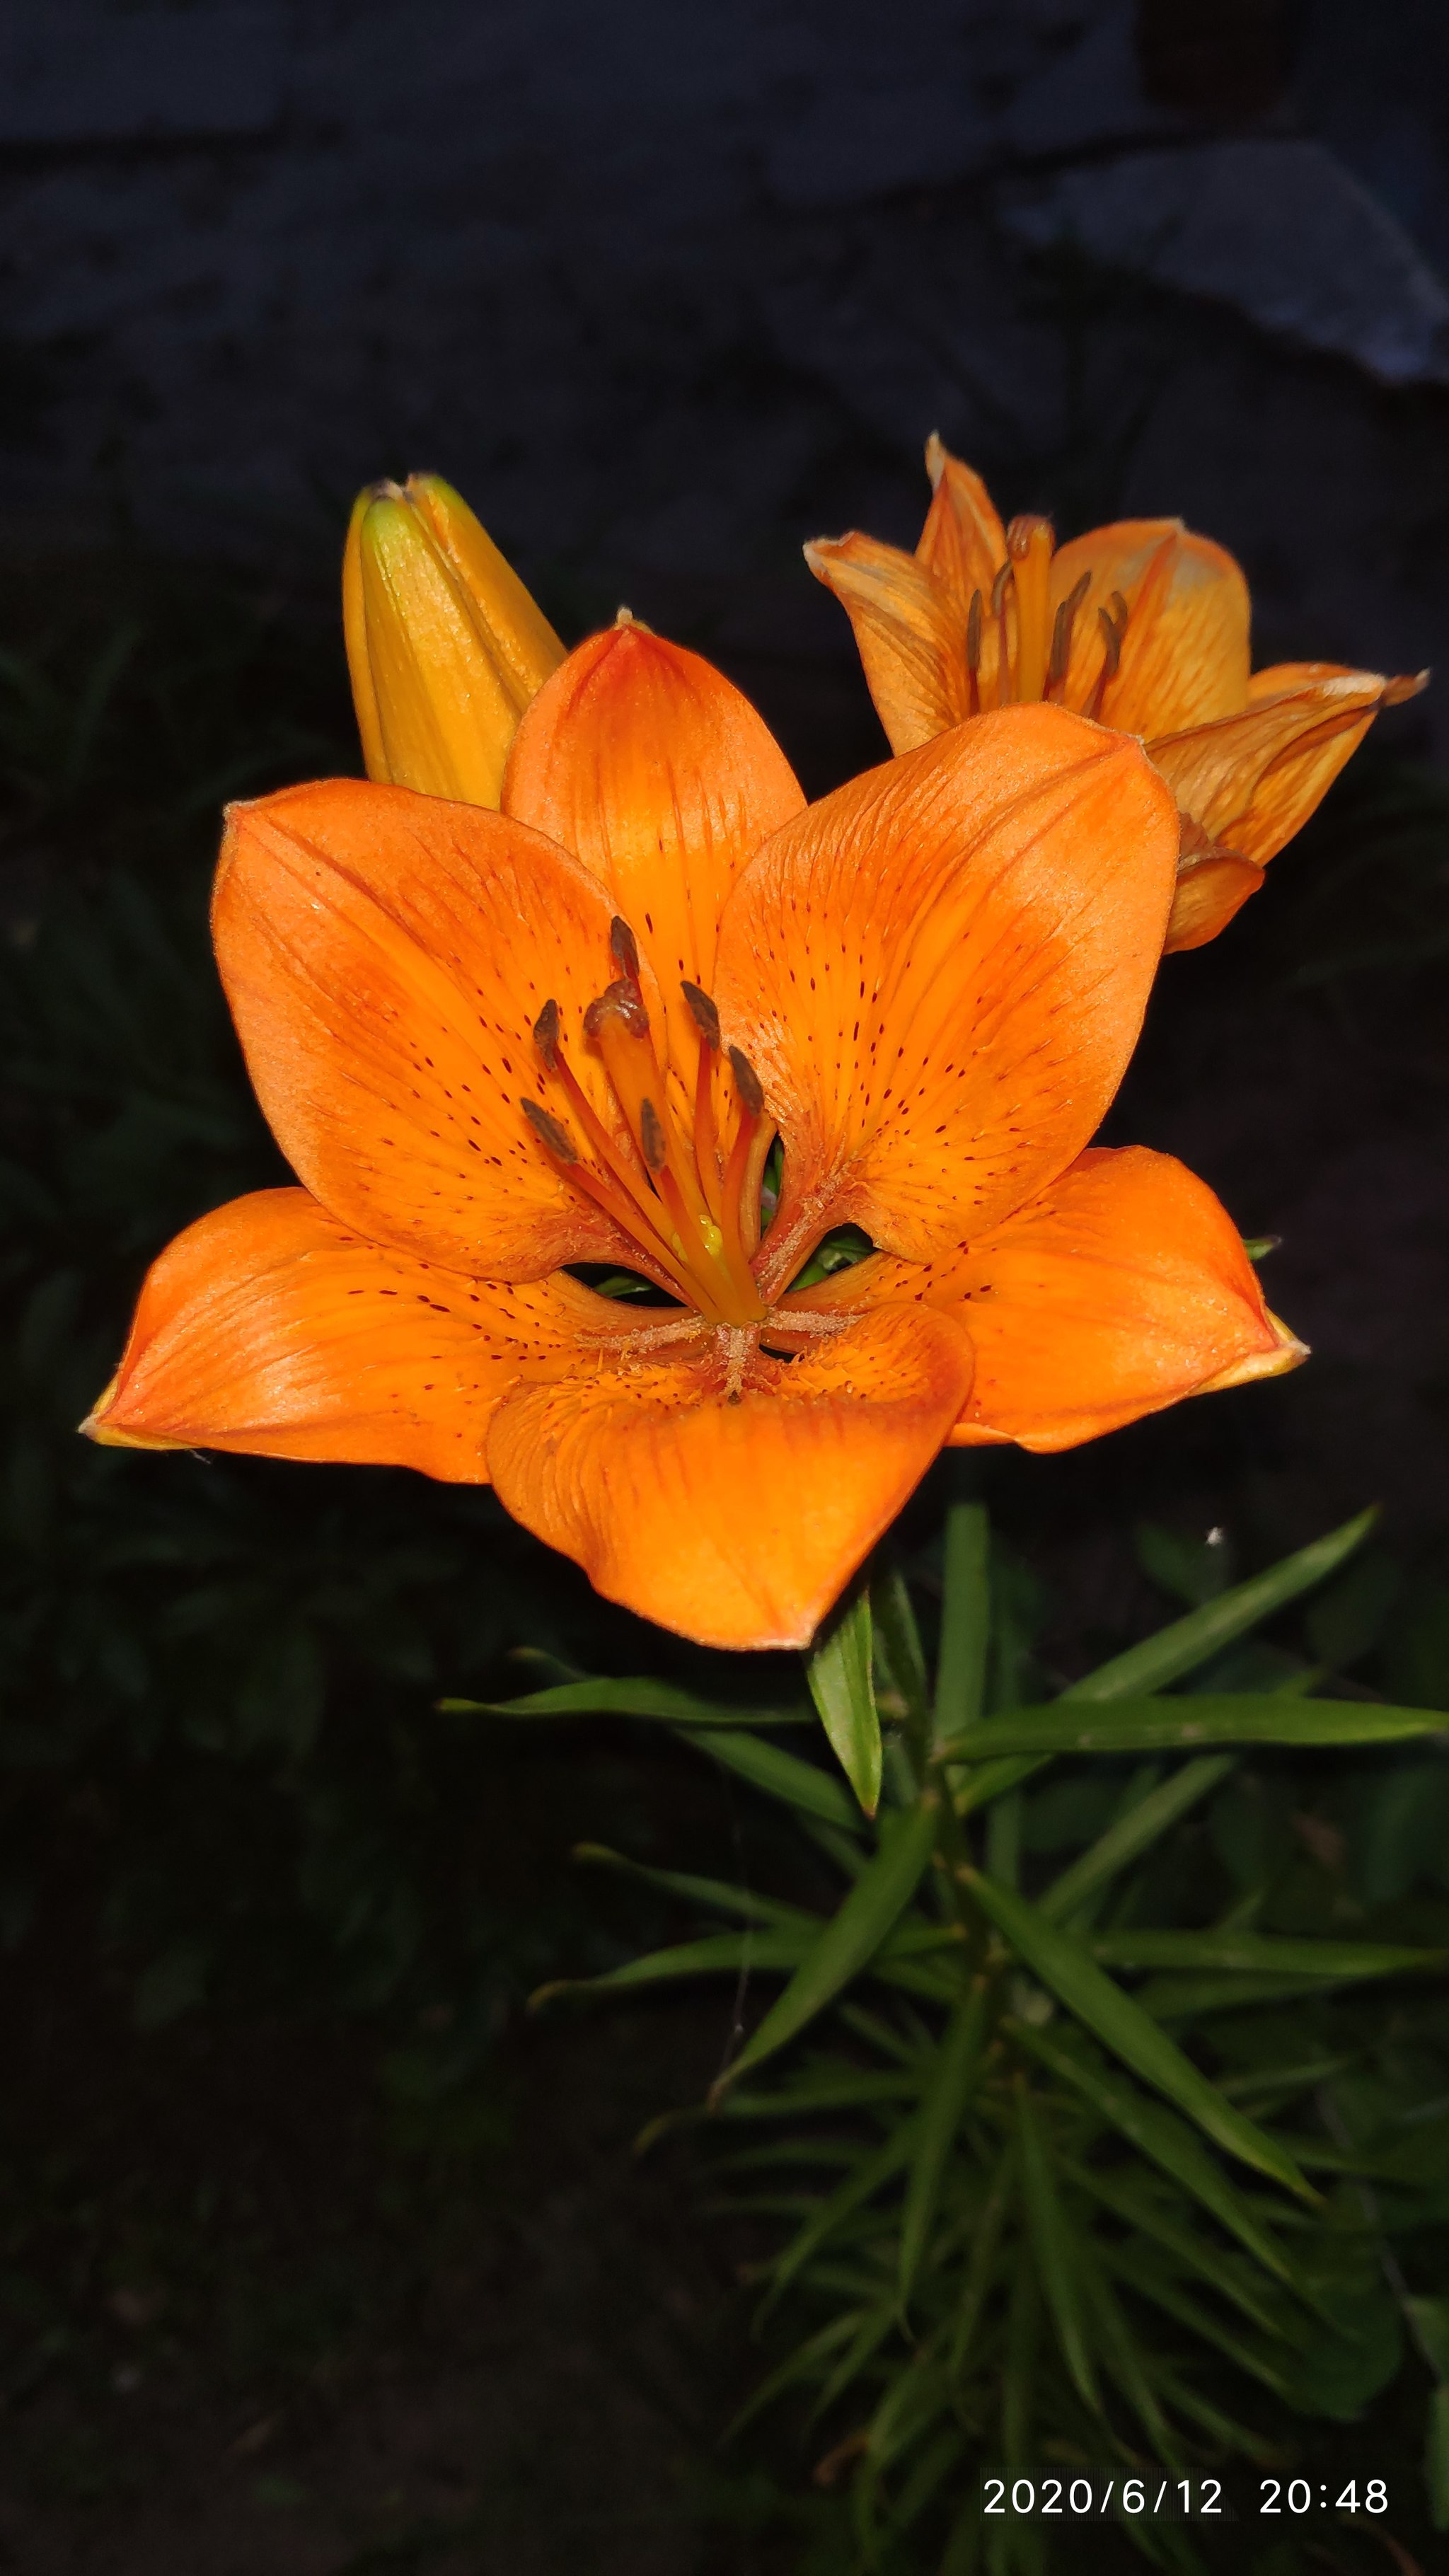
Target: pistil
(1030, 545)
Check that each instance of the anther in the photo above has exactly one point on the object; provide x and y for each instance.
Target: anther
(1113, 621)
(550, 1132)
(998, 589)
(747, 1083)
(704, 1015)
(1066, 618)
(545, 1035)
(621, 1000)
(651, 1137)
(623, 946)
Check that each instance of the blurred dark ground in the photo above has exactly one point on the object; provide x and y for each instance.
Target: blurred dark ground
(314, 2254)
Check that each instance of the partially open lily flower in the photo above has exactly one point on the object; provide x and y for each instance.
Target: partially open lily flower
(1141, 625)
(814, 1087)
(445, 645)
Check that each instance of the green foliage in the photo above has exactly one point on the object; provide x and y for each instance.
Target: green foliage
(1050, 2176)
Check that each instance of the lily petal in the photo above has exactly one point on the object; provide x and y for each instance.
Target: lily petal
(940, 972)
(645, 762)
(385, 955)
(1253, 778)
(735, 1524)
(268, 1328)
(1118, 1292)
(963, 540)
(910, 631)
(1185, 653)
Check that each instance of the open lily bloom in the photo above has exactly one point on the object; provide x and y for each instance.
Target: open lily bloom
(503, 1049)
(1143, 626)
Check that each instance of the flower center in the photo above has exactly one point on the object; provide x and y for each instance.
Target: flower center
(1034, 663)
(692, 1210)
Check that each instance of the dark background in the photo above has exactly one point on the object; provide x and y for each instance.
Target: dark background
(313, 2254)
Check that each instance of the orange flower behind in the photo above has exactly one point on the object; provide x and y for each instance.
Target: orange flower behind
(1140, 625)
(501, 1049)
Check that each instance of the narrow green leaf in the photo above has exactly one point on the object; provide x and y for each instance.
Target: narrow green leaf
(872, 2170)
(1250, 1953)
(780, 1775)
(838, 1671)
(1128, 2194)
(1143, 2276)
(642, 1698)
(992, 1780)
(898, 1639)
(800, 2364)
(850, 1939)
(1189, 1999)
(1122, 2356)
(1131, 1835)
(826, 2090)
(981, 2268)
(1129, 2032)
(1436, 2458)
(1188, 1643)
(1164, 1725)
(718, 1953)
(875, 2325)
(714, 1893)
(965, 1618)
(1055, 2249)
(947, 2092)
(1158, 2134)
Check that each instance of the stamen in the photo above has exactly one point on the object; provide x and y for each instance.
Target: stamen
(624, 948)
(740, 1217)
(1066, 618)
(706, 1137)
(552, 1131)
(652, 1139)
(747, 1083)
(1003, 646)
(1030, 544)
(634, 1190)
(1113, 621)
(545, 1035)
(973, 651)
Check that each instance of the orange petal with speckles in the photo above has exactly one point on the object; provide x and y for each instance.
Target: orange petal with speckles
(735, 1524)
(385, 955)
(647, 763)
(940, 973)
(268, 1328)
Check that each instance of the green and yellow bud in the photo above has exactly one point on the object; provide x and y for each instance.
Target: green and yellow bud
(444, 644)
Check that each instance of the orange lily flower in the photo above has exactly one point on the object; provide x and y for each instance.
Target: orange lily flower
(499, 1048)
(1143, 626)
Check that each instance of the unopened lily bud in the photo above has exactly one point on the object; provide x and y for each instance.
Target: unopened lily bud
(444, 644)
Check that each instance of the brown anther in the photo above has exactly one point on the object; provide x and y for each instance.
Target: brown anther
(704, 1015)
(973, 632)
(747, 1082)
(1111, 639)
(651, 1136)
(1066, 618)
(1023, 532)
(623, 947)
(623, 1001)
(998, 589)
(550, 1131)
(545, 1035)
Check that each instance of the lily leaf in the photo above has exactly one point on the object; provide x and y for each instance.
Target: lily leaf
(643, 1697)
(1054, 2245)
(1131, 1835)
(714, 1954)
(1161, 2136)
(965, 1618)
(838, 1670)
(952, 2078)
(779, 1774)
(1167, 1725)
(1190, 1642)
(850, 1940)
(717, 1894)
(1128, 2031)
(1254, 1953)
